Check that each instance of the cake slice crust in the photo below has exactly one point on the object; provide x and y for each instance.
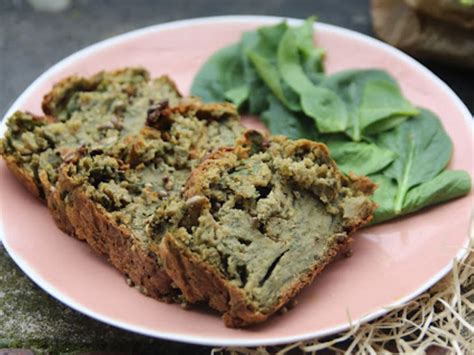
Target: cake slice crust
(255, 224)
(94, 112)
(109, 196)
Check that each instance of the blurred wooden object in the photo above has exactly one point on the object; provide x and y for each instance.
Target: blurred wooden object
(442, 30)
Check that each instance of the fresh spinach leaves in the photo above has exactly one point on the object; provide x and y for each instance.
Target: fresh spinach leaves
(257, 101)
(370, 128)
(373, 100)
(416, 178)
(447, 185)
(220, 79)
(280, 120)
(263, 56)
(317, 102)
(359, 158)
(283, 61)
(423, 149)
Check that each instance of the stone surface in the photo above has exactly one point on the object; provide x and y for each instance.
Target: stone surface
(31, 319)
(32, 41)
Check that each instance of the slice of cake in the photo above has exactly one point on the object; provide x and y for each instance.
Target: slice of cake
(109, 196)
(95, 112)
(255, 224)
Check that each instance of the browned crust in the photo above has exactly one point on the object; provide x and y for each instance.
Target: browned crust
(22, 175)
(46, 194)
(161, 115)
(55, 205)
(90, 223)
(63, 89)
(198, 282)
(363, 183)
(171, 83)
(193, 185)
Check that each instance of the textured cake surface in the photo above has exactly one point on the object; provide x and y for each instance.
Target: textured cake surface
(256, 223)
(95, 113)
(109, 196)
(107, 152)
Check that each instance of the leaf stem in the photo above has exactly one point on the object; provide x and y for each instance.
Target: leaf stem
(403, 186)
(356, 127)
(356, 135)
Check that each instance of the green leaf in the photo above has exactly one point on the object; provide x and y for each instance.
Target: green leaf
(416, 179)
(382, 100)
(326, 108)
(356, 89)
(261, 50)
(257, 101)
(270, 36)
(360, 158)
(221, 75)
(289, 59)
(280, 120)
(237, 95)
(384, 197)
(311, 56)
(270, 75)
(446, 186)
(385, 125)
(423, 149)
(321, 104)
(307, 54)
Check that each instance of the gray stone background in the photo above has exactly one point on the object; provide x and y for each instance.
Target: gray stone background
(31, 41)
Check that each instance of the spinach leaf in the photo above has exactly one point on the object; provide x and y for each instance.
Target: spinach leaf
(360, 158)
(447, 185)
(368, 114)
(326, 108)
(221, 78)
(289, 60)
(311, 56)
(271, 77)
(237, 95)
(257, 101)
(382, 100)
(423, 149)
(262, 54)
(270, 36)
(416, 178)
(280, 120)
(319, 103)
(385, 125)
(384, 197)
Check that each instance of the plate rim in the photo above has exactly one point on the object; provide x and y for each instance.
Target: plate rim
(235, 341)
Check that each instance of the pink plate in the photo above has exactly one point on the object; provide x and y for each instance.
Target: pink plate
(392, 263)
